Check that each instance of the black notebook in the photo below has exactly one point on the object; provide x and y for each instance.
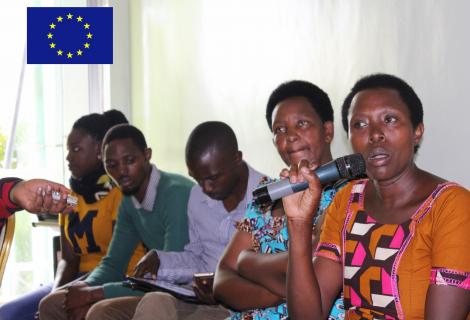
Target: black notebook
(147, 285)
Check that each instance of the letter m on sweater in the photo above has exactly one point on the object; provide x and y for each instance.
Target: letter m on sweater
(79, 229)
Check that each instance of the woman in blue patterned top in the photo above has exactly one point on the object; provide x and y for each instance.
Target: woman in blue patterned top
(250, 277)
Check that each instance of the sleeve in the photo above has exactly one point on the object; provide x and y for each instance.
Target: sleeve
(7, 207)
(113, 266)
(179, 267)
(254, 212)
(329, 245)
(176, 220)
(250, 221)
(451, 239)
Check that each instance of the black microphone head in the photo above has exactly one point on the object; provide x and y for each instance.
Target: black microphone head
(351, 166)
(261, 195)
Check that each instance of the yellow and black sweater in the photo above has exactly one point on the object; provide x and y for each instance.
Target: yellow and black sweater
(89, 228)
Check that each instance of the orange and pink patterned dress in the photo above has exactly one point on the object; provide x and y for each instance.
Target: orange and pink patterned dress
(388, 268)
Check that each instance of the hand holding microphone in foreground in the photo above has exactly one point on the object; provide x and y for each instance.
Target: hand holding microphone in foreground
(309, 177)
(347, 167)
(302, 205)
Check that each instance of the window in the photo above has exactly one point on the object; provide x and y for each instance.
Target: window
(38, 110)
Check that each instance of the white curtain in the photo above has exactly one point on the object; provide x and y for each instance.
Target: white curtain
(198, 60)
(52, 97)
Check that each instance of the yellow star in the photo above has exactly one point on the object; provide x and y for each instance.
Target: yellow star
(49, 35)
(87, 26)
(69, 55)
(79, 52)
(69, 16)
(89, 36)
(52, 25)
(59, 52)
(59, 18)
(52, 45)
(86, 45)
(79, 19)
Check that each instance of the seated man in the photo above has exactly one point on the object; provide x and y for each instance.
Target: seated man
(152, 211)
(216, 204)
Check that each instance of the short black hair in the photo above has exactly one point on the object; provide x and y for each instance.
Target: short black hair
(210, 134)
(297, 88)
(385, 81)
(96, 125)
(125, 131)
(114, 117)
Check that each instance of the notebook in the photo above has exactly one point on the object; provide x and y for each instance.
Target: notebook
(144, 284)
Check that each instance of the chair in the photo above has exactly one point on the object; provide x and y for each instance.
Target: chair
(6, 239)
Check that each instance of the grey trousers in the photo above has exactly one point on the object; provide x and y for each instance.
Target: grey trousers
(163, 306)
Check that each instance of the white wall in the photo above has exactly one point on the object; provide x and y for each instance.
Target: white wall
(193, 61)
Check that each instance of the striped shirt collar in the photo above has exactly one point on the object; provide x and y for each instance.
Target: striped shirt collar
(150, 193)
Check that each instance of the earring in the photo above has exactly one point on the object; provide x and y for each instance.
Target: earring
(99, 157)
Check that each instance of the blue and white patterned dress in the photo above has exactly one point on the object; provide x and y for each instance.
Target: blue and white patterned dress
(270, 236)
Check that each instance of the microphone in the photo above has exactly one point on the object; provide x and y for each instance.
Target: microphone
(71, 200)
(348, 167)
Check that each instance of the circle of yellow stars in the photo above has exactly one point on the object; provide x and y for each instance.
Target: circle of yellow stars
(69, 54)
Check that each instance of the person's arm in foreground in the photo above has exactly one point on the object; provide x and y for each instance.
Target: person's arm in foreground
(447, 303)
(234, 290)
(267, 270)
(311, 288)
(33, 195)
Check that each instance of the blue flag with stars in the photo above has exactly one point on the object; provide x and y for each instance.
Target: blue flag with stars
(76, 35)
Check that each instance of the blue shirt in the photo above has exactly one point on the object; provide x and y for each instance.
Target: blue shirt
(211, 227)
(270, 236)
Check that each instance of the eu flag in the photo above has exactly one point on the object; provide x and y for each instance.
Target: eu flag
(77, 35)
